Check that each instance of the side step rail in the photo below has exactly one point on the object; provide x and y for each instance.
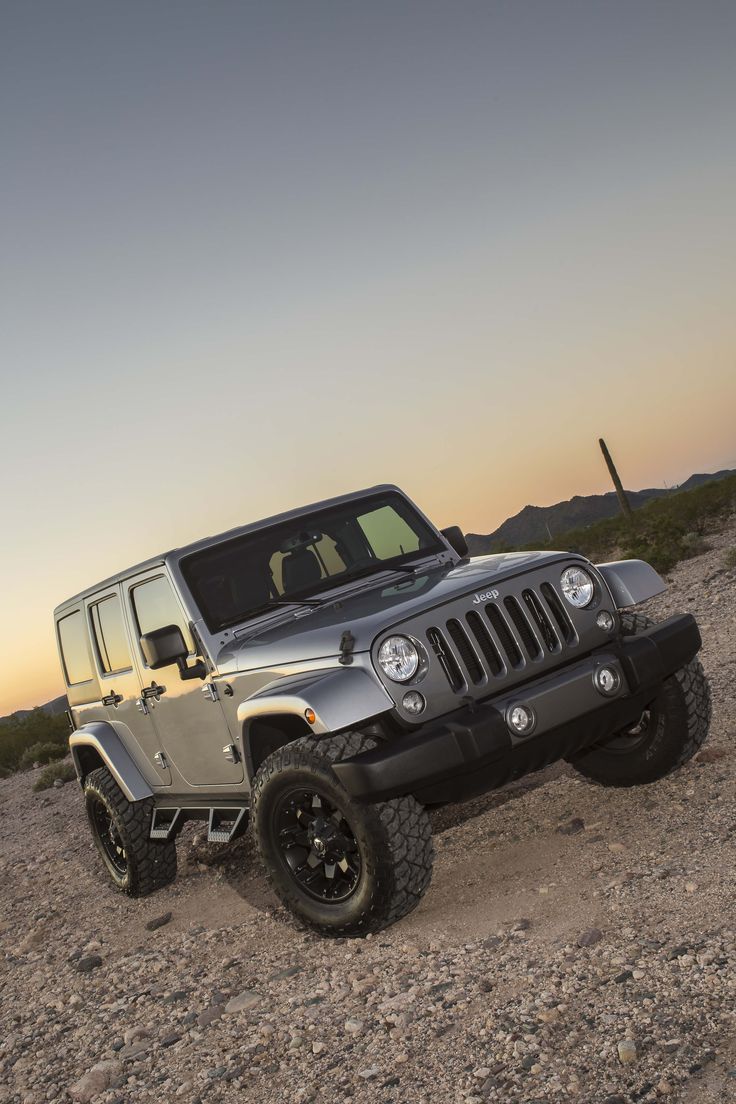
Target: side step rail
(226, 824)
(165, 823)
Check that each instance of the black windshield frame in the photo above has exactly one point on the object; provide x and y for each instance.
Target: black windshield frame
(194, 566)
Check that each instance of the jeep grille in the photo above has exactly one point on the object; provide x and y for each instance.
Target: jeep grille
(488, 642)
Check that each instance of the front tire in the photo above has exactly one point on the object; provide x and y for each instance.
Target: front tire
(670, 731)
(342, 867)
(120, 828)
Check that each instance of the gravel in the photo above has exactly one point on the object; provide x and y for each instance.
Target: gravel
(577, 945)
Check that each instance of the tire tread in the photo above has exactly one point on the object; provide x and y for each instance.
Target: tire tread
(151, 863)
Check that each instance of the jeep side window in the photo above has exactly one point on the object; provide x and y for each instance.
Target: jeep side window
(74, 651)
(387, 533)
(108, 631)
(155, 606)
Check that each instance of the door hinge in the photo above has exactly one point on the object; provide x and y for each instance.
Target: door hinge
(210, 691)
(231, 753)
(142, 705)
(160, 760)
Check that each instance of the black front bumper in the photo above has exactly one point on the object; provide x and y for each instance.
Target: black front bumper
(472, 750)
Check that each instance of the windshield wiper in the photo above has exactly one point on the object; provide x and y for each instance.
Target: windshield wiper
(372, 569)
(306, 603)
(293, 602)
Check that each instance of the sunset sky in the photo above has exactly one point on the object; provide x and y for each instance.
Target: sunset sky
(257, 254)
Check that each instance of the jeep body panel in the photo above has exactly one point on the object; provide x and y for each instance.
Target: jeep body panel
(473, 750)
(631, 581)
(372, 606)
(110, 751)
(340, 697)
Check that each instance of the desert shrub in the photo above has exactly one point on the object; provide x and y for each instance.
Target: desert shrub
(18, 734)
(42, 753)
(663, 532)
(63, 771)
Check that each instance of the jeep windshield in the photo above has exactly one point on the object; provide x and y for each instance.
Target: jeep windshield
(295, 560)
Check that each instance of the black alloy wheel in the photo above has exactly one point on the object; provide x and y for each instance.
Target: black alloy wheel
(317, 845)
(632, 738)
(108, 836)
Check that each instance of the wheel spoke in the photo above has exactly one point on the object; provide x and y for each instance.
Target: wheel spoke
(294, 834)
(318, 845)
(108, 837)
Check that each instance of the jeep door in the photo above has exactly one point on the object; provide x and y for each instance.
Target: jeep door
(190, 724)
(120, 681)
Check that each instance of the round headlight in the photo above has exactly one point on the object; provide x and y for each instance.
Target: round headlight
(398, 658)
(577, 586)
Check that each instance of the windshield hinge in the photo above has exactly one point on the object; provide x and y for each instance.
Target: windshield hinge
(347, 644)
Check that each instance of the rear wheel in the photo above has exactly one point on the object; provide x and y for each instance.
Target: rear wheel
(137, 864)
(669, 732)
(342, 867)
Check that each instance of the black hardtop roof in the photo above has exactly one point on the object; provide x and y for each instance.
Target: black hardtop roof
(176, 554)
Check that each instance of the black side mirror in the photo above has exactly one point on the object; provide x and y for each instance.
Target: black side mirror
(453, 534)
(166, 647)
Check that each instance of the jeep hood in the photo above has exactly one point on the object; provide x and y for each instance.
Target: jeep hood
(374, 606)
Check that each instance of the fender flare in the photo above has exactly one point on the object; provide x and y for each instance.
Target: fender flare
(631, 581)
(104, 740)
(340, 697)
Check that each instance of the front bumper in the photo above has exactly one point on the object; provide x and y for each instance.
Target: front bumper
(472, 750)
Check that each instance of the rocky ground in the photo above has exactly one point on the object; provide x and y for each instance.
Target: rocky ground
(576, 945)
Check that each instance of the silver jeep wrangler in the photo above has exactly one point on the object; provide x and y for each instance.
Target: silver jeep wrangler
(331, 672)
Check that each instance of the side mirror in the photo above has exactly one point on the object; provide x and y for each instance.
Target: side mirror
(453, 534)
(166, 647)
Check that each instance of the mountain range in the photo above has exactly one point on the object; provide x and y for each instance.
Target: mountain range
(56, 705)
(542, 523)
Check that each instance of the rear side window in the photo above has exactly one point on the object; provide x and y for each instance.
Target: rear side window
(109, 634)
(155, 606)
(74, 651)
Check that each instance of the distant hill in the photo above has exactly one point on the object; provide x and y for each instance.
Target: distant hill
(541, 523)
(53, 707)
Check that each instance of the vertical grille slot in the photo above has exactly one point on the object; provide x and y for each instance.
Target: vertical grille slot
(541, 620)
(559, 613)
(504, 634)
(490, 652)
(523, 628)
(466, 651)
(447, 660)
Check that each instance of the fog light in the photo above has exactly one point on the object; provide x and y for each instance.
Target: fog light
(414, 703)
(604, 621)
(607, 681)
(520, 718)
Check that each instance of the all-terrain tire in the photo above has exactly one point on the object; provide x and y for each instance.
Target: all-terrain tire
(145, 865)
(671, 732)
(393, 838)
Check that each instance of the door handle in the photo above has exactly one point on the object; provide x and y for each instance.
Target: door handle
(153, 691)
(112, 699)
